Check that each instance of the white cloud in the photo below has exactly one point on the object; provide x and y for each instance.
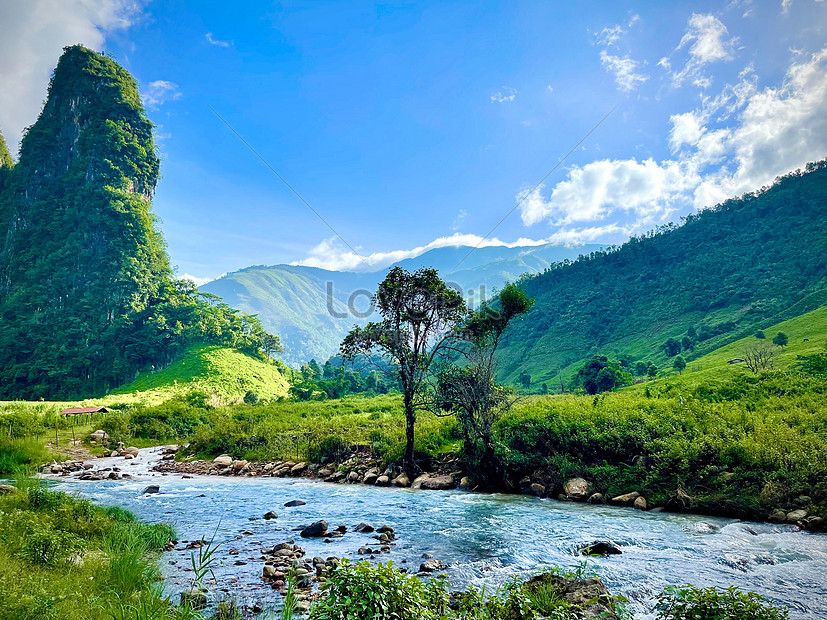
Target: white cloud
(32, 37)
(734, 143)
(159, 92)
(624, 69)
(331, 254)
(213, 41)
(459, 219)
(609, 35)
(197, 280)
(506, 94)
(708, 41)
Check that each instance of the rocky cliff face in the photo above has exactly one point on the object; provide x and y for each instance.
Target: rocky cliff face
(78, 246)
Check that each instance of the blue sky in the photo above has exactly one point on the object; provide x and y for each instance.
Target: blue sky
(413, 125)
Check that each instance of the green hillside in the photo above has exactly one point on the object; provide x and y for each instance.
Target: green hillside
(723, 274)
(226, 374)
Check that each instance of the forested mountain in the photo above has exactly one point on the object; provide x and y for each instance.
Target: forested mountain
(87, 296)
(724, 273)
(293, 300)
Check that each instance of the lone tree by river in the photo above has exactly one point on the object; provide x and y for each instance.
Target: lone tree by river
(420, 318)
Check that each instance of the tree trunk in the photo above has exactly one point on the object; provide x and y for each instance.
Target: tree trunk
(408, 464)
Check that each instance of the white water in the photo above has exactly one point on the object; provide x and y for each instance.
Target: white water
(484, 539)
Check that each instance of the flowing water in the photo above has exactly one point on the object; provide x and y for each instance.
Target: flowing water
(484, 539)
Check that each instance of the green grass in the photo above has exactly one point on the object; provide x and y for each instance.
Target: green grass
(64, 558)
(226, 373)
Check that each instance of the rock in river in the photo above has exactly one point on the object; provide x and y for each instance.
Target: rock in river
(577, 489)
(294, 503)
(152, 488)
(317, 529)
(600, 547)
(225, 460)
(431, 566)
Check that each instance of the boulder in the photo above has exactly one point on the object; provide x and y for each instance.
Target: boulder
(383, 481)
(465, 483)
(268, 516)
(402, 480)
(370, 478)
(777, 516)
(295, 502)
(225, 460)
(131, 450)
(813, 523)
(7, 489)
(680, 501)
(239, 465)
(99, 436)
(796, 515)
(298, 468)
(417, 482)
(438, 483)
(269, 572)
(640, 503)
(353, 477)
(627, 499)
(128, 457)
(577, 489)
(152, 488)
(364, 528)
(316, 530)
(600, 547)
(194, 599)
(589, 596)
(537, 489)
(596, 498)
(431, 566)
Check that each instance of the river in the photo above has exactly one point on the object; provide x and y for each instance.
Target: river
(484, 539)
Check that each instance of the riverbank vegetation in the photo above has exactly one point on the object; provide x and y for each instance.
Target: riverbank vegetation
(63, 558)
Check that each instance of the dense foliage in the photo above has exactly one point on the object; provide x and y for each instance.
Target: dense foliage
(87, 296)
(691, 603)
(721, 275)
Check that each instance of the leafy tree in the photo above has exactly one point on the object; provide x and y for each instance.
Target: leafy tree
(641, 368)
(760, 335)
(652, 370)
(420, 315)
(544, 388)
(599, 374)
(470, 392)
(671, 347)
(687, 344)
(693, 335)
(679, 364)
(525, 380)
(780, 339)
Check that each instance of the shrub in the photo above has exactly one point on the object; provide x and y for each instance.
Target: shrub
(691, 603)
(50, 547)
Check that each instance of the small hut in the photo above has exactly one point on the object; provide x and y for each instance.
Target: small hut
(83, 410)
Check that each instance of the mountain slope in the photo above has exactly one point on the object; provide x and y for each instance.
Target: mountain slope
(724, 272)
(87, 297)
(312, 309)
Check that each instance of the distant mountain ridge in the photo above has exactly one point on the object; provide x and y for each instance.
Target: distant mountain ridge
(312, 308)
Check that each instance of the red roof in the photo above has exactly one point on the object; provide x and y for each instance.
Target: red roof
(79, 410)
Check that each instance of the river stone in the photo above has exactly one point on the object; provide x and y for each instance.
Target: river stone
(465, 483)
(317, 529)
(640, 503)
(600, 547)
(417, 482)
(99, 436)
(295, 502)
(239, 465)
(128, 457)
(431, 566)
(577, 489)
(813, 523)
(270, 515)
(269, 572)
(364, 528)
(298, 468)
(537, 489)
(370, 478)
(152, 488)
(131, 450)
(438, 483)
(596, 498)
(383, 481)
(353, 477)
(626, 499)
(402, 480)
(679, 502)
(796, 515)
(225, 460)
(194, 598)
(7, 489)
(777, 516)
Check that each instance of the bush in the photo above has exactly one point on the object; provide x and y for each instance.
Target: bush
(691, 603)
(51, 547)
